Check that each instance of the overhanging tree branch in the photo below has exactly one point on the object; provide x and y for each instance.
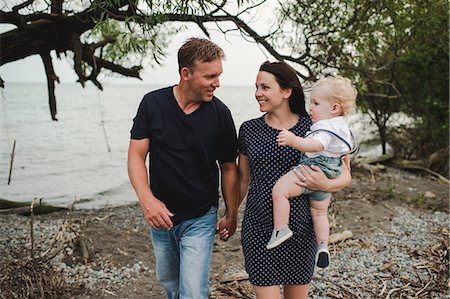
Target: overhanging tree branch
(51, 78)
(55, 29)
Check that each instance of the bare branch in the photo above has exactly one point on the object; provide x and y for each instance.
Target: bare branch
(102, 43)
(218, 7)
(128, 72)
(249, 8)
(379, 95)
(392, 85)
(57, 7)
(51, 78)
(12, 18)
(203, 28)
(78, 58)
(18, 7)
(93, 79)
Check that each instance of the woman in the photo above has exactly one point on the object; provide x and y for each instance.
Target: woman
(261, 163)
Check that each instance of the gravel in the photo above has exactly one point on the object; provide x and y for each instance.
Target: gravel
(385, 264)
(409, 260)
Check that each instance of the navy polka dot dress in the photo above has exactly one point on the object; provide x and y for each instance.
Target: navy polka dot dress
(292, 262)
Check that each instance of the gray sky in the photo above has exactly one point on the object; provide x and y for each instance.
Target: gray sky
(240, 67)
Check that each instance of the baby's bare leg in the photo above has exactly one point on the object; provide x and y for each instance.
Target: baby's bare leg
(319, 214)
(286, 187)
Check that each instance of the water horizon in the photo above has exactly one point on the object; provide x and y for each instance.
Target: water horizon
(81, 158)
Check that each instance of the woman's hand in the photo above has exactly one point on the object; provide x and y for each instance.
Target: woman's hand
(312, 178)
(315, 179)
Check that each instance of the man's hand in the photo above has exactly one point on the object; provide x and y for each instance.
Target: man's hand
(285, 138)
(156, 213)
(226, 227)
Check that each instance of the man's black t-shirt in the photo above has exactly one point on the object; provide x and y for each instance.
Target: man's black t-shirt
(184, 150)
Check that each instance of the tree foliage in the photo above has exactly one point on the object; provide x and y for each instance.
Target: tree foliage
(395, 50)
(424, 75)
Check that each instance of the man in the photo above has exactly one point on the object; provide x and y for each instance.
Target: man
(186, 131)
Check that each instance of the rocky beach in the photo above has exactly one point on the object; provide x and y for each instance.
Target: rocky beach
(391, 231)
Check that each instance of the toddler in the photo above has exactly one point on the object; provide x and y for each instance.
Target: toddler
(329, 140)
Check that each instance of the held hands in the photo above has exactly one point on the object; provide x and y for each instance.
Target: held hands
(226, 226)
(286, 138)
(156, 213)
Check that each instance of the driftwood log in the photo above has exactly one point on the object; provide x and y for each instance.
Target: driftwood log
(376, 164)
(420, 165)
(23, 208)
(84, 250)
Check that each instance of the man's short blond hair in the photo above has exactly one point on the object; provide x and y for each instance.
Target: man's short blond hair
(198, 50)
(340, 90)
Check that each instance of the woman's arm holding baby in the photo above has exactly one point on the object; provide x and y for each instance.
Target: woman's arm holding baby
(314, 178)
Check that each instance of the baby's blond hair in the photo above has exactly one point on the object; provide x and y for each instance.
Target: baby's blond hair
(341, 91)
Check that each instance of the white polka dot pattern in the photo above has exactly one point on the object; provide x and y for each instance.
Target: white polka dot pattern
(293, 261)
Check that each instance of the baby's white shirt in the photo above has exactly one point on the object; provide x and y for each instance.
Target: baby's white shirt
(333, 146)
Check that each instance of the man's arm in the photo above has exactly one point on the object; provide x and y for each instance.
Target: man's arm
(155, 211)
(244, 177)
(314, 178)
(226, 226)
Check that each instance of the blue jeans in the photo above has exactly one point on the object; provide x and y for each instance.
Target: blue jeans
(183, 256)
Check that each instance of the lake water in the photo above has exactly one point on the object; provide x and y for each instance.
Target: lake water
(82, 157)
